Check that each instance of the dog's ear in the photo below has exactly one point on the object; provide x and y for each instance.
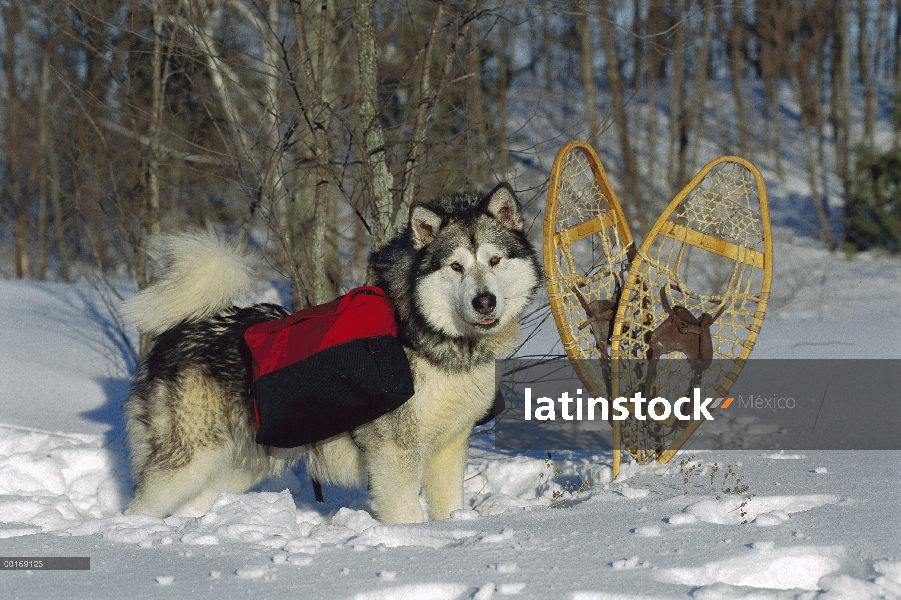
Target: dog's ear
(501, 203)
(424, 225)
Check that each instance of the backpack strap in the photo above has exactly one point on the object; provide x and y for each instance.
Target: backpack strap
(317, 490)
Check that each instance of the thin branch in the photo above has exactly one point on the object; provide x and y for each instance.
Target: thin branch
(145, 140)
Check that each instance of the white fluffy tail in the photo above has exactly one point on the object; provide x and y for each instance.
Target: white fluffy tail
(205, 275)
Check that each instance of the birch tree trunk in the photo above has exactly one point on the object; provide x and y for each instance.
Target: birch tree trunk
(316, 34)
(150, 218)
(378, 178)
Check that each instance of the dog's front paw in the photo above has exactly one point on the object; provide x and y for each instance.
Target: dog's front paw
(396, 515)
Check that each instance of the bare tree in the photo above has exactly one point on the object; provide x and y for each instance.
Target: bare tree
(734, 39)
(658, 25)
(700, 86)
(586, 69)
(869, 65)
(377, 176)
(843, 146)
(678, 134)
(312, 125)
(503, 86)
(773, 19)
(618, 99)
(12, 20)
(807, 52)
(476, 139)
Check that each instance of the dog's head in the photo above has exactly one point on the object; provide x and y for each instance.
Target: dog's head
(477, 270)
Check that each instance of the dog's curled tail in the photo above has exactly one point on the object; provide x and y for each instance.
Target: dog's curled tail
(204, 275)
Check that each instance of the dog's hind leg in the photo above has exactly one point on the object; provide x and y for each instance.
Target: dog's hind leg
(183, 446)
(160, 492)
(443, 477)
(197, 484)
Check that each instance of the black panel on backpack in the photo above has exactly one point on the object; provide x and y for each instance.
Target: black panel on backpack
(332, 391)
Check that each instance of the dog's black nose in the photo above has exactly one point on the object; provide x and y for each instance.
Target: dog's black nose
(484, 303)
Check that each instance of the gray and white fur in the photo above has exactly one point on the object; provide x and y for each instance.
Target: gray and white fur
(459, 278)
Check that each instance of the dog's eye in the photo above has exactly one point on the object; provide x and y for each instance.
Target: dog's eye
(456, 267)
(494, 260)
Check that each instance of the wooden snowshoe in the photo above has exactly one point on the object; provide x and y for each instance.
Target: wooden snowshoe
(697, 290)
(587, 250)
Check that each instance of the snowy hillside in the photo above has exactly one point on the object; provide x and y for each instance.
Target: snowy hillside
(820, 524)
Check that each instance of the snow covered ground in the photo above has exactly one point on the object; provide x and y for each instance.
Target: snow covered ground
(820, 524)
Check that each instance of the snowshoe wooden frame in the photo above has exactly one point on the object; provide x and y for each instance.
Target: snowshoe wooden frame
(721, 218)
(587, 251)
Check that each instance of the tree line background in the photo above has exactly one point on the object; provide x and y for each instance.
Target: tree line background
(309, 126)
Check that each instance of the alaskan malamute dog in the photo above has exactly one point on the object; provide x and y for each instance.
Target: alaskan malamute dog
(459, 278)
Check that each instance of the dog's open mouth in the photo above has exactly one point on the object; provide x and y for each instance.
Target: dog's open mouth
(486, 323)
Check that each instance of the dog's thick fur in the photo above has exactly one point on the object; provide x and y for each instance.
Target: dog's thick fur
(459, 279)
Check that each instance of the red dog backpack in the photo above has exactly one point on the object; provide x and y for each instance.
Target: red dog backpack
(327, 369)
